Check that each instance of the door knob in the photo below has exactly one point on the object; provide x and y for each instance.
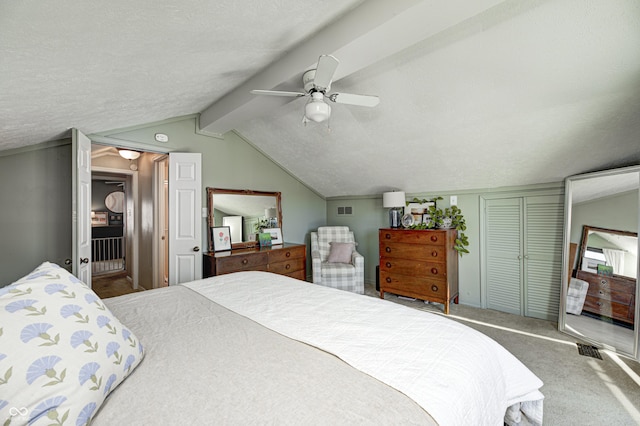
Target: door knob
(84, 260)
(68, 261)
(196, 248)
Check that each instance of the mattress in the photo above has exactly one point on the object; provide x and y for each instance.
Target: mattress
(207, 365)
(255, 348)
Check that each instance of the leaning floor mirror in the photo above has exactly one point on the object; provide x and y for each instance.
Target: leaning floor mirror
(599, 288)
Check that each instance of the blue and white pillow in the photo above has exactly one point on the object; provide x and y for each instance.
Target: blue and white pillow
(61, 350)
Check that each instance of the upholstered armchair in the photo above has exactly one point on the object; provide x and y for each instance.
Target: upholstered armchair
(335, 261)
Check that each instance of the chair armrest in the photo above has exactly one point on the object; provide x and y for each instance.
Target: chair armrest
(357, 259)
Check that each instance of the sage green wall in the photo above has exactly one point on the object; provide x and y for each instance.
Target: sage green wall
(35, 186)
(35, 208)
(618, 212)
(369, 216)
(230, 162)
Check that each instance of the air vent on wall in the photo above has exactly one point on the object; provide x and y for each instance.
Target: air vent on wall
(345, 211)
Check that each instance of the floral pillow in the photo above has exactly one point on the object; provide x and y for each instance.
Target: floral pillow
(61, 350)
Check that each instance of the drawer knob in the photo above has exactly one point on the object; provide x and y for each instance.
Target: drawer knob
(388, 249)
(434, 271)
(599, 303)
(600, 292)
(434, 288)
(434, 253)
(434, 238)
(288, 266)
(387, 236)
(388, 280)
(604, 283)
(388, 264)
(245, 261)
(288, 254)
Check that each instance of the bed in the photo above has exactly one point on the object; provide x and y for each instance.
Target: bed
(252, 348)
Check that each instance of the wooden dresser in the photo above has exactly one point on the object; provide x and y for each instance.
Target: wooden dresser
(612, 297)
(419, 263)
(284, 259)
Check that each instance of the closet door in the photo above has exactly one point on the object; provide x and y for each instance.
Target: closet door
(523, 255)
(543, 256)
(503, 248)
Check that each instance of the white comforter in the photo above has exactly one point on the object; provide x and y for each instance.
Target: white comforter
(458, 375)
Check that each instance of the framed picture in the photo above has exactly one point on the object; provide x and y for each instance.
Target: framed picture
(221, 237)
(99, 218)
(418, 209)
(264, 238)
(276, 235)
(606, 270)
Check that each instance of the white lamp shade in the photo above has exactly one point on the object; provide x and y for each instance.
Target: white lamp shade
(317, 110)
(393, 199)
(129, 154)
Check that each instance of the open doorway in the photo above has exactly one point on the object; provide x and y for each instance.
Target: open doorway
(122, 261)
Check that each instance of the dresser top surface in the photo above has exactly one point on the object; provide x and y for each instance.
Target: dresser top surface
(244, 251)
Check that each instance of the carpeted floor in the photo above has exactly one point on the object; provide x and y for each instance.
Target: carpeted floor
(578, 390)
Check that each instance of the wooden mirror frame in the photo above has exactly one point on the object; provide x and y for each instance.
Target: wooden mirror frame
(586, 229)
(210, 216)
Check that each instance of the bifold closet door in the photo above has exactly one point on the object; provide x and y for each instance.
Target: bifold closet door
(523, 255)
(503, 248)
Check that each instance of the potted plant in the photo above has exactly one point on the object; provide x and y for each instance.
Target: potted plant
(448, 218)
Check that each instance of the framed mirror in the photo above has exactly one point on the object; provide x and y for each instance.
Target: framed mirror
(246, 212)
(599, 289)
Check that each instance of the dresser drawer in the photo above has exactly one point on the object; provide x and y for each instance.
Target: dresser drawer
(287, 267)
(432, 270)
(299, 275)
(606, 308)
(418, 287)
(253, 261)
(414, 237)
(605, 283)
(412, 251)
(284, 255)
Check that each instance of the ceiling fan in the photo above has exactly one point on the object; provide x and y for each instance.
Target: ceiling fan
(317, 83)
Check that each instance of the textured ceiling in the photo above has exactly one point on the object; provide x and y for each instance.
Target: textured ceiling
(479, 94)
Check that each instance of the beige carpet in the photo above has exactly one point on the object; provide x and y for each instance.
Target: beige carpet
(578, 390)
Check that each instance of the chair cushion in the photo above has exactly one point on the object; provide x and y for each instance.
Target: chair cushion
(340, 252)
(340, 271)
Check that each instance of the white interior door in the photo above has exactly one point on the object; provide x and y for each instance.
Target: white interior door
(185, 227)
(81, 205)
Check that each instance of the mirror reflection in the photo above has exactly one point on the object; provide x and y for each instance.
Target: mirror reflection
(602, 259)
(246, 212)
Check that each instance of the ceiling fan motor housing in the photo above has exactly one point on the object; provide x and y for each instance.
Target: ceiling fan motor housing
(308, 81)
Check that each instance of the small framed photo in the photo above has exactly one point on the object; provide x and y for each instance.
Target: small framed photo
(276, 235)
(221, 237)
(99, 219)
(418, 209)
(264, 238)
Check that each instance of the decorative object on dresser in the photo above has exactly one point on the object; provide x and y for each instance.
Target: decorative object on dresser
(395, 202)
(221, 238)
(335, 261)
(285, 259)
(419, 263)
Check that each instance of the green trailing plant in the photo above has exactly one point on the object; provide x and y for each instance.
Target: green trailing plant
(450, 217)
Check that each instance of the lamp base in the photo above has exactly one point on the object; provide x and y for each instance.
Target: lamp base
(395, 217)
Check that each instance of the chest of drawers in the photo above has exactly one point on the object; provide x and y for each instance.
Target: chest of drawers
(286, 259)
(419, 263)
(612, 297)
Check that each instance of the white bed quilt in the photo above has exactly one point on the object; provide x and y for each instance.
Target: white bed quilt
(458, 375)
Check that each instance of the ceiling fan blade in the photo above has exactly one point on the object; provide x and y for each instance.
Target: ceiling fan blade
(277, 93)
(327, 65)
(349, 99)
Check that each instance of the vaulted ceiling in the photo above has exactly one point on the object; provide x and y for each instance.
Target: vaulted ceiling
(473, 94)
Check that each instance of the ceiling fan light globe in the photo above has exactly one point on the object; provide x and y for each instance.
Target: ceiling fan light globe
(317, 111)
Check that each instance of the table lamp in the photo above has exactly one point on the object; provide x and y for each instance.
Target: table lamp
(395, 202)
